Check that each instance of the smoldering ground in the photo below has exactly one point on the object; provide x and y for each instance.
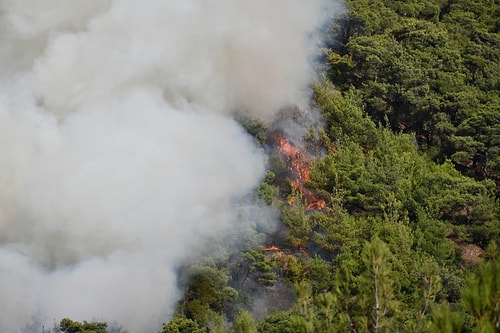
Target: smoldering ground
(118, 153)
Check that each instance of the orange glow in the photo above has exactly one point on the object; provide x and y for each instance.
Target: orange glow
(318, 204)
(299, 166)
(298, 162)
(271, 248)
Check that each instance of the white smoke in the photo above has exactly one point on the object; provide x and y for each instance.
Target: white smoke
(118, 153)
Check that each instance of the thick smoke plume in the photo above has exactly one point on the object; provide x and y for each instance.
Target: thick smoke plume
(118, 152)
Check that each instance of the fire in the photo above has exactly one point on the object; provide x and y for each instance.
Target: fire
(298, 162)
(318, 204)
(271, 248)
(299, 166)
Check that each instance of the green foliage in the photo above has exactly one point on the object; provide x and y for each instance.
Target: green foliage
(444, 320)
(294, 217)
(206, 295)
(258, 261)
(379, 296)
(267, 191)
(255, 127)
(396, 180)
(431, 68)
(370, 17)
(482, 296)
(69, 326)
(320, 275)
(293, 270)
(462, 201)
(344, 116)
(407, 162)
(430, 287)
(430, 238)
(281, 322)
(261, 266)
(244, 323)
(182, 325)
(326, 310)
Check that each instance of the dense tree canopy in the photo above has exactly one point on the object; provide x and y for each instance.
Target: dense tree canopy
(406, 177)
(407, 173)
(431, 68)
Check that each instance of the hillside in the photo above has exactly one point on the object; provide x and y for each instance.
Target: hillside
(393, 225)
(389, 213)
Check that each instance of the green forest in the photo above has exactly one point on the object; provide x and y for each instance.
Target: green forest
(389, 214)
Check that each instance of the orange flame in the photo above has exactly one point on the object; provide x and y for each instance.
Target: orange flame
(271, 248)
(298, 162)
(318, 204)
(299, 165)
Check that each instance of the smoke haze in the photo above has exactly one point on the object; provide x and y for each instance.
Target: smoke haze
(118, 152)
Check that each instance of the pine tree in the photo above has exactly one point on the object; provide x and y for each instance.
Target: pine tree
(377, 279)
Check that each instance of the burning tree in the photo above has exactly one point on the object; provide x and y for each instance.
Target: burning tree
(298, 163)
